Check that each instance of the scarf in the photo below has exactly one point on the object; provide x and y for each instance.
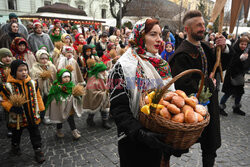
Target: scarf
(203, 59)
(60, 90)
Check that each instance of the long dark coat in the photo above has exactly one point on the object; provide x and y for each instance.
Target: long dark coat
(235, 67)
(187, 57)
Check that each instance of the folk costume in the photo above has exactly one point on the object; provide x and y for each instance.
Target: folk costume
(189, 56)
(54, 37)
(29, 113)
(96, 89)
(77, 44)
(25, 55)
(136, 71)
(63, 62)
(45, 82)
(62, 105)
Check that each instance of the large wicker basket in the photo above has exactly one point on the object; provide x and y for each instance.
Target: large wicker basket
(178, 135)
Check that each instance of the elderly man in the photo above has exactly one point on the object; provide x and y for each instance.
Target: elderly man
(13, 18)
(193, 53)
(38, 38)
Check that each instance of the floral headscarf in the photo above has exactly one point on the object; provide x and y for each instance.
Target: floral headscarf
(55, 38)
(14, 48)
(138, 33)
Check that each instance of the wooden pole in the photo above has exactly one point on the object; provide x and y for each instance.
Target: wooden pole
(18, 122)
(218, 50)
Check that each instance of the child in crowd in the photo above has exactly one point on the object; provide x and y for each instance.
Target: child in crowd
(96, 89)
(44, 72)
(26, 115)
(6, 58)
(57, 52)
(79, 42)
(20, 51)
(168, 51)
(62, 105)
(66, 60)
(106, 57)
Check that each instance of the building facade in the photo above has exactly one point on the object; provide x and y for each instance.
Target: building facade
(98, 9)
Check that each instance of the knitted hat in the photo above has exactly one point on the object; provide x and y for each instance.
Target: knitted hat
(99, 67)
(36, 23)
(12, 15)
(14, 65)
(4, 52)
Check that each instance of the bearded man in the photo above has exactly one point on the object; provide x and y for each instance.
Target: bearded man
(193, 53)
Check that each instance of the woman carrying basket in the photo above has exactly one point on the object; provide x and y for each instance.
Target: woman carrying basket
(139, 69)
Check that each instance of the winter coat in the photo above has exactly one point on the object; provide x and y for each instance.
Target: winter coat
(29, 58)
(7, 38)
(187, 57)
(236, 67)
(32, 109)
(36, 40)
(21, 29)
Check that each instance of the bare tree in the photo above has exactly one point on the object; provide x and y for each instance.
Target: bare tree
(118, 15)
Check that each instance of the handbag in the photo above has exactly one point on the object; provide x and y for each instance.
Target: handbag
(239, 80)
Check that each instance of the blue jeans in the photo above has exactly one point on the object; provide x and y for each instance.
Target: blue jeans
(224, 98)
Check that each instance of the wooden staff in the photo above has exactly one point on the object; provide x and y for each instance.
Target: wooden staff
(18, 122)
(218, 50)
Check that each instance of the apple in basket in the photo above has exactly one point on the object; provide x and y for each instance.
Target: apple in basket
(176, 106)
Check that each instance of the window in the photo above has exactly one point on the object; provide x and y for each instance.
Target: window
(47, 3)
(103, 13)
(12, 4)
(80, 7)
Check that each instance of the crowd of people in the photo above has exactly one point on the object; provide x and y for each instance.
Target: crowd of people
(65, 71)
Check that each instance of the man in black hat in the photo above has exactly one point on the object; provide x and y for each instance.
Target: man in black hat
(14, 18)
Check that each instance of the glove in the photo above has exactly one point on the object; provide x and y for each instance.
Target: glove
(151, 139)
(243, 56)
(17, 110)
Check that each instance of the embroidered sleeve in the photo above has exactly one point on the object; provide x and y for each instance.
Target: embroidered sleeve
(119, 100)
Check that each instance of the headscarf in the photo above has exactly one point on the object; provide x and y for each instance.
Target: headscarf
(14, 48)
(77, 42)
(60, 90)
(40, 52)
(92, 47)
(138, 36)
(63, 37)
(165, 55)
(98, 67)
(55, 38)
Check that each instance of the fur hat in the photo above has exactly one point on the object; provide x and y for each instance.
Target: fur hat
(12, 15)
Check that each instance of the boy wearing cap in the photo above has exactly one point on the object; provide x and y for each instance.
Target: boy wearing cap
(26, 115)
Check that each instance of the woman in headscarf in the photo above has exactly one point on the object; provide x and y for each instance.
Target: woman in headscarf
(7, 38)
(139, 69)
(56, 34)
(79, 42)
(20, 51)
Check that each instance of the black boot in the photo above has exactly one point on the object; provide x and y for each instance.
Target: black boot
(237, 110)
(15, 149)
(222, 111)
(90, 120)
(105, 124)
(39, 156)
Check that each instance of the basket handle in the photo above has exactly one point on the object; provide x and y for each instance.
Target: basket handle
(184, 73)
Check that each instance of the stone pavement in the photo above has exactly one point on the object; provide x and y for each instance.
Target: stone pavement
(98, 147)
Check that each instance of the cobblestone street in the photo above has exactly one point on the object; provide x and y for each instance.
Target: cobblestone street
(98, 147)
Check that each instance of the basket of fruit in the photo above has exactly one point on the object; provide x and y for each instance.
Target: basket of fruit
(181, 118)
